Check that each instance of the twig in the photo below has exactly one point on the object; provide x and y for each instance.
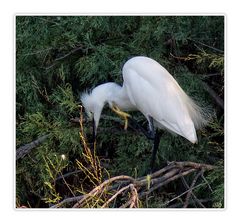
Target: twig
(115, 195)
(153, 181)
(178, 205)
(99, 188)
(134, 197)
(68, 174)
(37, 52)
(211, 75)
(206, 181)
(194, 196)
(159, 172)
(25, 149)
(166, 182)
(125, 205)
(213, 94)
(143, 186)
(67, 200)
(180, 195)
(194, 165)
(191, 187)
(69, 53)
(133, 201)
(67, 185)
(203, 44)
(64, 56)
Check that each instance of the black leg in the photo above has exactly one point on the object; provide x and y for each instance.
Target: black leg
(158, 135)
(150, 135)
(134, 124)
(93, 131)
(151, 126)
(93, 135)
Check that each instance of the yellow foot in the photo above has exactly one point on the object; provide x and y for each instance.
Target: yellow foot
(122, 114)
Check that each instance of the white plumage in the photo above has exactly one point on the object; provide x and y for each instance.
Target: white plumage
(151, 89)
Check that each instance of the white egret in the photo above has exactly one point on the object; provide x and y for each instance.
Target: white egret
(149, 88)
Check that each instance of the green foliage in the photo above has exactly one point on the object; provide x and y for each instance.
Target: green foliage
(58, 57)
(53, 168)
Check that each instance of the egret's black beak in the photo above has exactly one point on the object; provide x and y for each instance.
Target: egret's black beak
(93, 131)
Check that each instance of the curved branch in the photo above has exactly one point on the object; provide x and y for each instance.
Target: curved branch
(25, 149)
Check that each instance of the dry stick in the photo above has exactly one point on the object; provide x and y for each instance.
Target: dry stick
(211, 47)
(125, 205)
(191, 187)
(143, 180)
(207, 182)
(67, 185)
(98, 199)
(159, 172)
(213, 94)
(99, 188)
(166, 182)
(185, 192)
(38, 51)
(187, 167)
(25, 149)
(194, 196)
(194, 165)
(165, 176)
(115, 195)
(114, 202)
(67, 200)
(130, 201)
(134, 197)
(211, 75)
(68, 174)
(157, 180)
(64, 56)
(179, 204)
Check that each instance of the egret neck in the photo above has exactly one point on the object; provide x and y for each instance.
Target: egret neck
(111, 93)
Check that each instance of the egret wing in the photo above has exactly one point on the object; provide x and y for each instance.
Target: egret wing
(156, 94)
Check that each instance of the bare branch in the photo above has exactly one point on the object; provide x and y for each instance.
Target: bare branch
(194, 165)
(205, 45)
(194, 196)
(25, 149)
(141, 187)
(65, 56)
(185, 192)
(134, 198)
(100, 188)
(179, 204)
(67, 201)
(213, 94)
(115, 195)
(191, 187)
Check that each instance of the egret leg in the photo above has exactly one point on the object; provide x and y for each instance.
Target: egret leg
(150, 134)
(122, 114)
(136, 126)
(93, 131)
(150, 124)
(157, 137)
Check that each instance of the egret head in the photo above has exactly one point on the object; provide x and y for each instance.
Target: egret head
(94, 101)
(93, 107)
